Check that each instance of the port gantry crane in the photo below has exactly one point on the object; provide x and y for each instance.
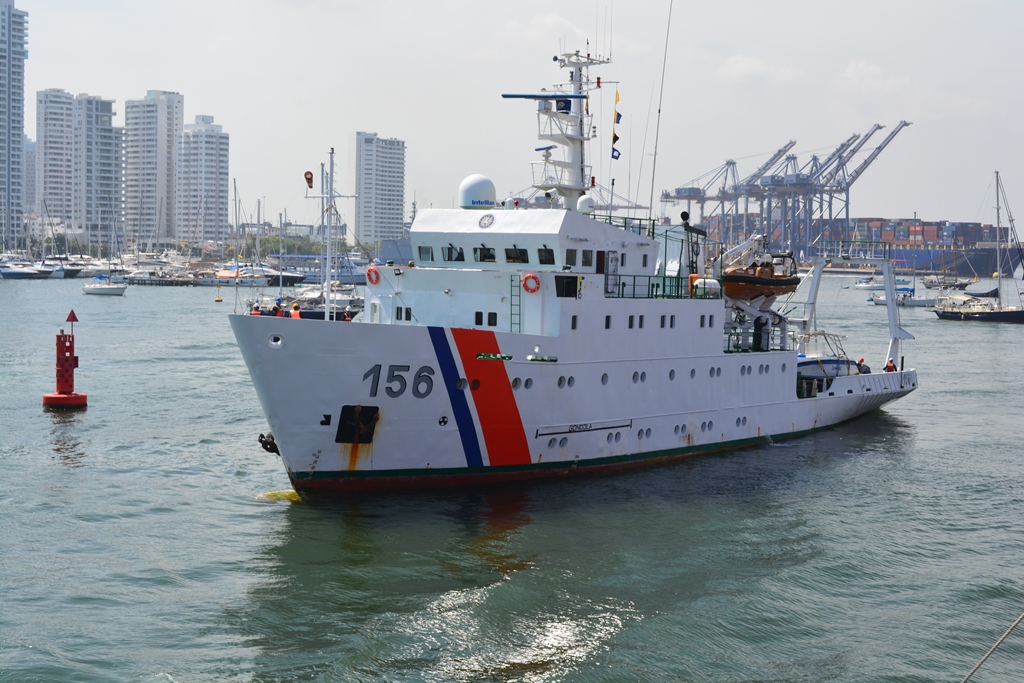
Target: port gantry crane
(797, 204)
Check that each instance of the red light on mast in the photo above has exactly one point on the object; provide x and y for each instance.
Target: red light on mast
(309, 179)
(598, 81)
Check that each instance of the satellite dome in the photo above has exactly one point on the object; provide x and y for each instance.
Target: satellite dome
(477, 192)
(585, 204)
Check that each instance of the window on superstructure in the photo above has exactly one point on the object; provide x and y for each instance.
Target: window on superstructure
(607, 322)
(641, 326)
(631, 322)
(398, 313)
(711, 321)
(479, 319)
(702, 321)
(662, 322)
(452, 253)
(644, 264)
(483, 254)
(426, 253)
(570, 257)
(588, 258)
(492, 319)
(408, 314)
(546, 257)
(622, 260)
(516, 255)
(574, 318)
(672, 321)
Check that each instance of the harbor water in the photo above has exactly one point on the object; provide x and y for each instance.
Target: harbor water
(135, 546)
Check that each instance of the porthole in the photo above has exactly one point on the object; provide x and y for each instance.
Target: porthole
(718, 372)
(275, 341)
(618, 436)
(528, 383)
(767, 368)
(693, 373)
(647, 433)
(516, 382)
(604, 378)
(561, 442)
(703, 426)
(640, 434)
(760, 369)
(744, 422)
(571, 380)
(636, 377)
(676, 430)
(474, 385)
(610, 437)
(711, 425)
(461, 384)
(743, 370)
(712, 373)
(671, 374)
(561, 382)
(750, 369)
(682, 430)
(737, 422)
(551, 442)
(643, 376)
(783, 367)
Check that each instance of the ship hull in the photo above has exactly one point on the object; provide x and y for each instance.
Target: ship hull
(359, 407)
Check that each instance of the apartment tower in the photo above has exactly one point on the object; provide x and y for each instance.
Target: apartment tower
(13, 53)
(378, 178)
(152, 126)
(201, 210)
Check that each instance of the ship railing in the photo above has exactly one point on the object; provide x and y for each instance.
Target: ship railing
(650, 287)
(749, 341)
(839, 250)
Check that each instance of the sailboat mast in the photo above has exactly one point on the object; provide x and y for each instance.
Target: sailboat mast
(999, 260)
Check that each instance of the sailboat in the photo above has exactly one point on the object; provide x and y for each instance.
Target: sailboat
(967, 307)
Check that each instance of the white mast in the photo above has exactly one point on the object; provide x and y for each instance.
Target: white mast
(999, 261)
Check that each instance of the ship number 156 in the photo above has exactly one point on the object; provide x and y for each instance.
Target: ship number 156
(422, 381)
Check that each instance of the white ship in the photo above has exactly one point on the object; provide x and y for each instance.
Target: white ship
(530, 343)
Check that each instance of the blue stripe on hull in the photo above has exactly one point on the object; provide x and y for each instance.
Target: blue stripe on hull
(460, 406)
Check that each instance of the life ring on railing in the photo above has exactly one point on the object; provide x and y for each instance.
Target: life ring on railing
(372, 275)
(531, 283)
(692, 283)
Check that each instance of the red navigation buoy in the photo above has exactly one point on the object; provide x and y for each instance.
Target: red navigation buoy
(65, 397)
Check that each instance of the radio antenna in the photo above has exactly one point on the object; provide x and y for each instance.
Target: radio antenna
(661, 95)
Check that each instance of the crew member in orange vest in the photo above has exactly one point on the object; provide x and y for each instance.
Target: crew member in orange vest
(295, 311)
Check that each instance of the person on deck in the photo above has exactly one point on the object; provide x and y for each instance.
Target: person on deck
(276, 311)
(863, 368)
(295, 311)
(256, 309)
(890, 366)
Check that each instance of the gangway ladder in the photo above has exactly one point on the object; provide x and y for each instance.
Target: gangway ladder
(515, 302)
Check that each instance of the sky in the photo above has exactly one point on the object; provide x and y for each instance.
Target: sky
(290, 79)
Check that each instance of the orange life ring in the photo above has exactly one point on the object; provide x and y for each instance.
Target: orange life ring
(531, 283)
(372, 275)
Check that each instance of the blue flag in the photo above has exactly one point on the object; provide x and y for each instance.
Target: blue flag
(615, 153)
(618, 117)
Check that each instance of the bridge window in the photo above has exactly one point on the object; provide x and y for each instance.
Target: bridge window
(426, 253)
(483, 254)
(479, 318)
(546, 257)
(570, 257)
(588, 258)
(516, 255)
(492, 319)
(452, 253)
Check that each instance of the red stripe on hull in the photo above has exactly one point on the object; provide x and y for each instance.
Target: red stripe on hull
(495, 405)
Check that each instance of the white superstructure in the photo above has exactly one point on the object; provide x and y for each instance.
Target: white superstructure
(201, 211)
(548, 342)
(378, 180)
(152, 125)
(13, 37)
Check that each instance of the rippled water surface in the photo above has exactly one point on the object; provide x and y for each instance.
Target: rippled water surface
(133, 546)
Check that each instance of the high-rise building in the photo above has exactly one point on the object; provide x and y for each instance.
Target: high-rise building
(98, 171)
(55, 156)
(201, 210)
(152, 125)
(13, 37)
(378, 178)
(79, 163)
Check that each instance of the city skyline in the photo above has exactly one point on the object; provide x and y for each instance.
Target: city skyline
(739, 83)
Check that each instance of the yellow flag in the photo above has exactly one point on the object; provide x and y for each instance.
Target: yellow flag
(616, 96)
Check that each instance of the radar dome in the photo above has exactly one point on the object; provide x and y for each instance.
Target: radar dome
(585, 204)
(477, 192)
